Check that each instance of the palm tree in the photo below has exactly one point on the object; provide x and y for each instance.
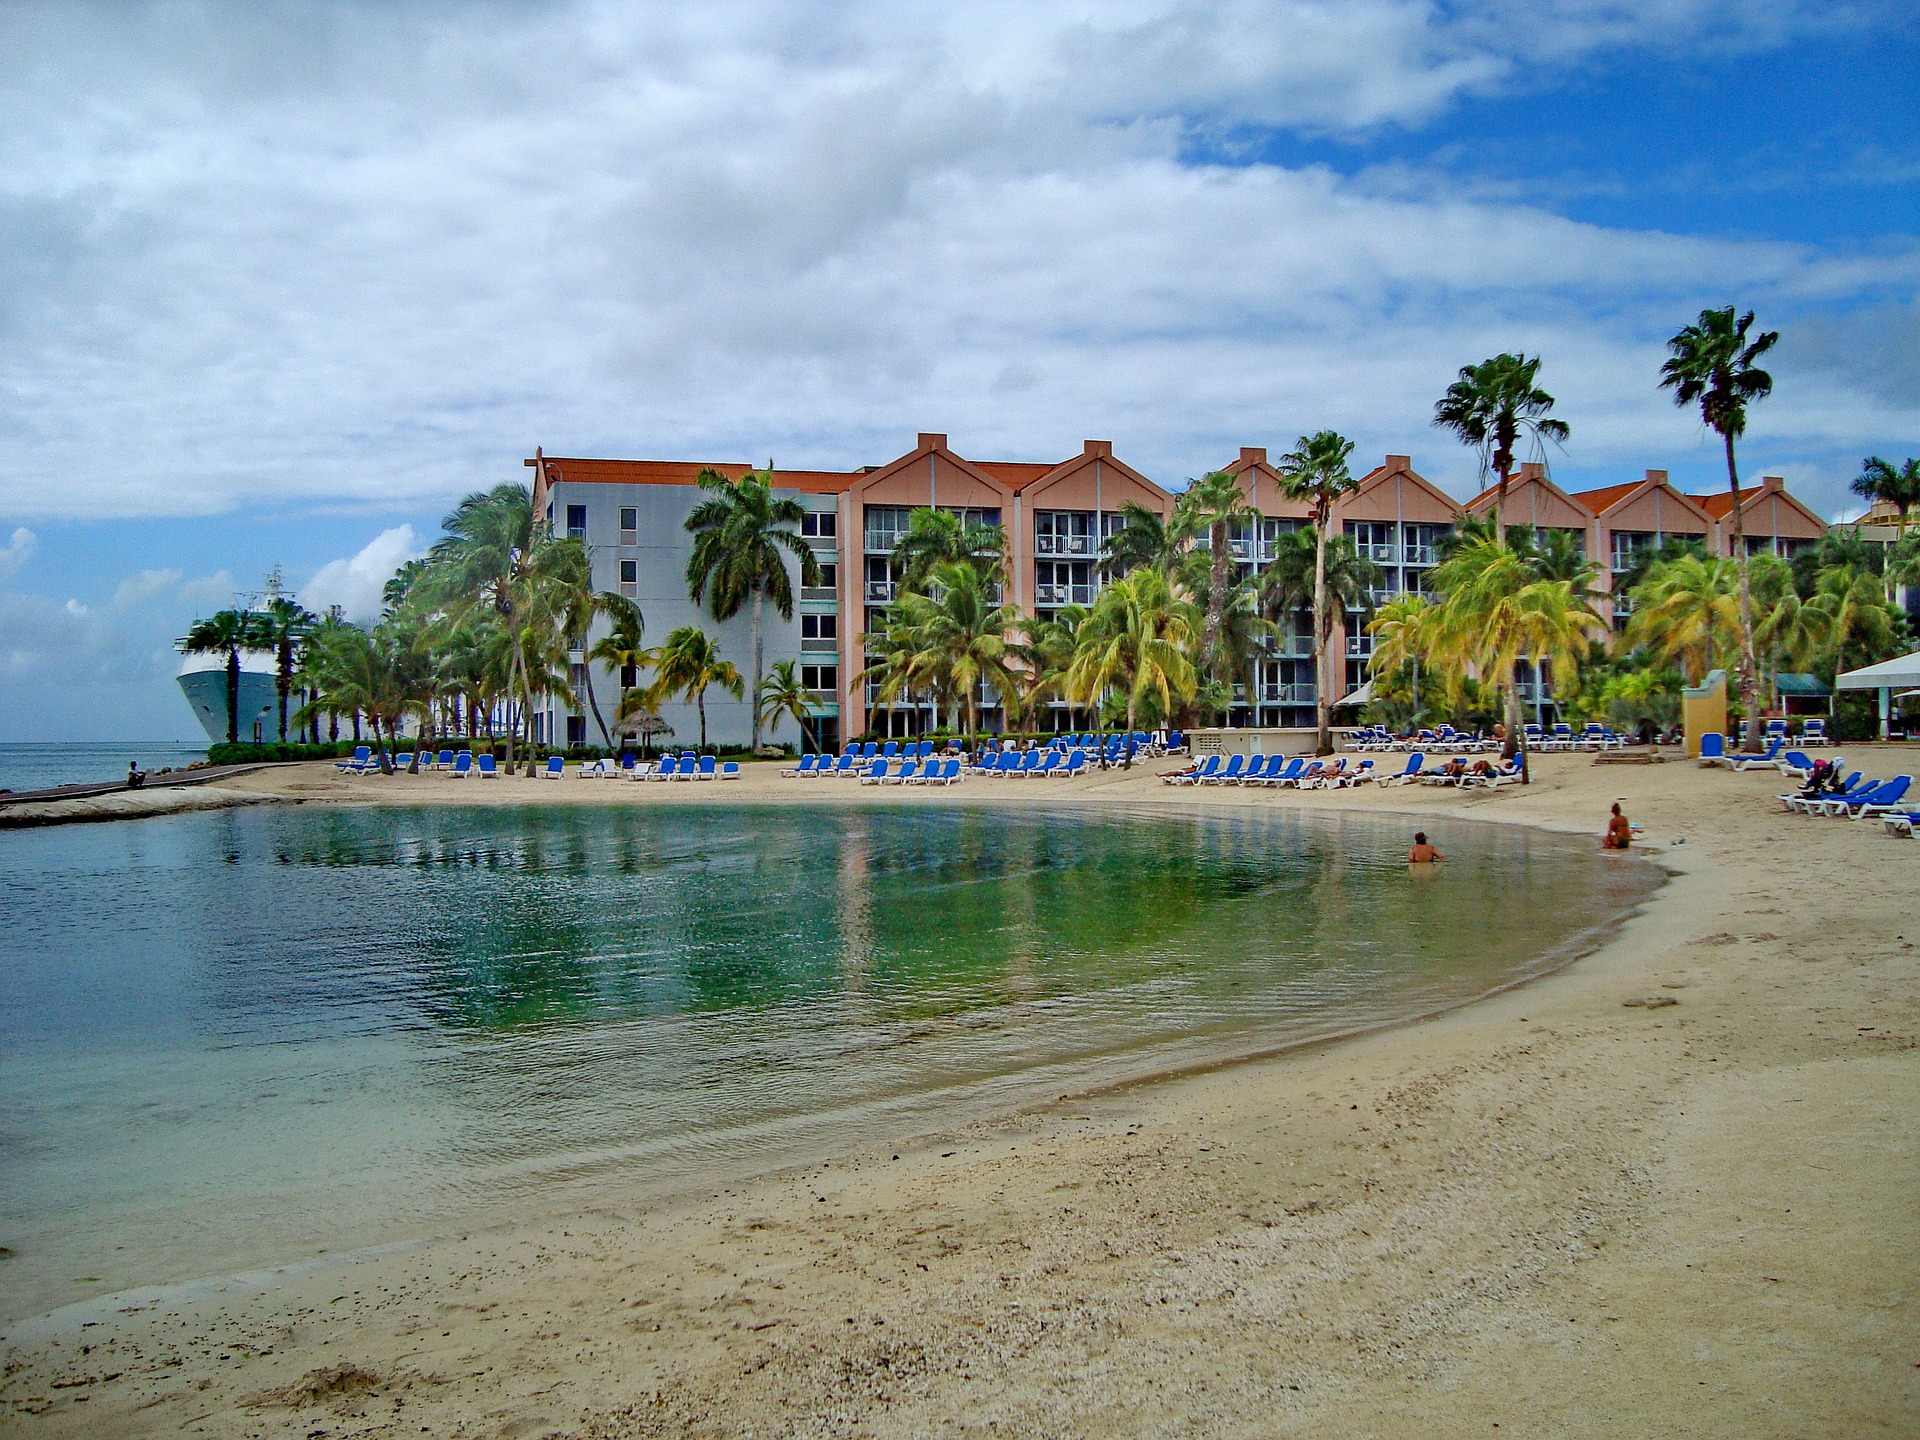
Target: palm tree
(1137, 639)
(1216, 504)
(1047, 653)
(1144, 538)
(1896, 486)
(285, 624)
(1315, 472)
(689, 665)
(952, 640)
(1491, 407)
(939, 537)
(743, 535)
(620, 648)
(1785, 626)
(1685, 610)
(1860, 626)
(228, 632)
(1287, 584)
(367, 673)
(496, 559)
(782, 694)
(1712, 362)
(583, 606)
(1402, 631)
(1556, 554)
(1496, 614)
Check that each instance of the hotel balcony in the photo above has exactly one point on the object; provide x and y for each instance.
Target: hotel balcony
(1359, 646)
(881, 592)
(1422, 555)
(827, 593)
(1277, 694)
(1055, 595)
(1380, 554)
(1050, 545)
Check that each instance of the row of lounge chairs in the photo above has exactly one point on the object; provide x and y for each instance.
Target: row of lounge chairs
(1299, 773)
(1441, 740)
(457, 764)
(933, 770)
(1851, 797)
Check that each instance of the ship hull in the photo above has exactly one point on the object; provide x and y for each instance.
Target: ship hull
(259, 711)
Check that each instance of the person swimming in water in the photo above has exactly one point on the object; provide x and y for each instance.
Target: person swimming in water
(1422, 852)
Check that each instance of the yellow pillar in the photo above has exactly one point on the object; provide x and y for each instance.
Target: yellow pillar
(1703, 708)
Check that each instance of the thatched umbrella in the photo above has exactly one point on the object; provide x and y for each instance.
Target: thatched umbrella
(643, 724)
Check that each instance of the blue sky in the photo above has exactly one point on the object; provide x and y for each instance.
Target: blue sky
(278, 283)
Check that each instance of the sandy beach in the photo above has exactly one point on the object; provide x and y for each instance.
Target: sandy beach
(1672, 1189)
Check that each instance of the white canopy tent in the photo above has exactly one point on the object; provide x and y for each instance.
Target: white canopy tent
(1886, 677)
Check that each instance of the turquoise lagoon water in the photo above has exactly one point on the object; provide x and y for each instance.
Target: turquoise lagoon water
(242, 1037)
(31, 765)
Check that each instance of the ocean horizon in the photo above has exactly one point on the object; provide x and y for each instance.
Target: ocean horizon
(42, 764)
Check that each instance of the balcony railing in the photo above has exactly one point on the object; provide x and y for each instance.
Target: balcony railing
(1294, 694)
(1064, 594)
(1380, 554)
(1063, 545)
(1359, 647)
(819, 592)
(812, 643)
(1422, 555)
(882, 542)
(880, 592)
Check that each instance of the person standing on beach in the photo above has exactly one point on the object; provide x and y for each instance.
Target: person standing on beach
(1619, 831)
(1422, 852)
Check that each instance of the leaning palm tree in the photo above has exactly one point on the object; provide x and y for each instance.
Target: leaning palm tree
(1687, 611)
(1216, 504)
(689, 665)
(620, 649)
(581, 607)
(1046, 654)
(1491, 407)
(1786, 626)
(1315, 472)
(229, 632)
(1712, 362)
(1860, 626)
(1136, 639)
(940, 537)
(1496, 614)
(496, 559)
(743, 535)
(1895, 485)
(1403, 631)
(782, 694)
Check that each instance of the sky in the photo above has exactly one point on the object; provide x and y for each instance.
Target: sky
(280, 282)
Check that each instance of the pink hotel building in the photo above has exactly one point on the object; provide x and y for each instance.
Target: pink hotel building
(632, 513)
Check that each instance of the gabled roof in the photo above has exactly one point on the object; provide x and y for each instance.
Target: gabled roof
(1719, 504)
(1015, 474)
(1095, 452)
(1529, 474)
(1611, 497)
(1602, 500)
(1402, 466)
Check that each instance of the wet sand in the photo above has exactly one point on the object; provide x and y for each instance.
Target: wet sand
(1671, 1189)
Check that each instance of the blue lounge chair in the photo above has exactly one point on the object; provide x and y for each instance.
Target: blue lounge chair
(444, 761)
(1281, 769)
(1076, 762)
(1768, 761)
(462, 765)
(487, 770)
(909, 770)
(1795, 763)
(876, 773)
(1229, 773)
(1901, 822)
(730, 770)
(1814, 732)
(1816, 804)
(706, 770)
(1713, 748)
(805, 767)
(1209, 766)
(556, 768)
(1411, 773)
(1882, 799)
(891, 749)
(869, 750)
(358, 764)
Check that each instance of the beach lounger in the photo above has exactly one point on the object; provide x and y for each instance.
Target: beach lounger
(556, 768)
(706, 770)
(1770, 760)
(909, 770)
(1411, 773)
(1361, 774)
(1235, 764)
(1305, 777)
(1901, 822)
(1887, 797)
(487, 770)
(358, 764)
(664, 770)
(1076, 762)
(1713, 748)
(1816, 804)
(730, 770)
(1814, 733)
(462, 765)
(805, 767)
(950, 774)
(876, 773)
(1795, 763)
(1209, 766)
(1282, 769)
(642, 770)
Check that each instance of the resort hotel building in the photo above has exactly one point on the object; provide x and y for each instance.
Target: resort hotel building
(632, 515)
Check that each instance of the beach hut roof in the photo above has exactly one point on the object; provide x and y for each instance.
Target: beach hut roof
(1903, 673)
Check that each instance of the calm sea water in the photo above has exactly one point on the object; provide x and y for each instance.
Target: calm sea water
(246, 1036)
(25, 766)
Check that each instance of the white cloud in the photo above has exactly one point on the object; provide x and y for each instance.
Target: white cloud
(19, 550)
(147, 585)
(215, 589)
(263, 256)
(354, 584)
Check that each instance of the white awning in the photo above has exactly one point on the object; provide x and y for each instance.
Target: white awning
(1361, 696)
(1902, 674)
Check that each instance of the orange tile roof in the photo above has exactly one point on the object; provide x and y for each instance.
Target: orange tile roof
(1599, 500)
(1720, 505)
(1015, 474)
(682, 472)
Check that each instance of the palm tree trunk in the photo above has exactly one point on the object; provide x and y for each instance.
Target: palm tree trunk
(1749, 666)
(1216, 599)
(700, 703)
(759, 603)
(283, 682)
(594, 705)
(526, 701)
(233, 697)
(1323, 628)
(1514, 725)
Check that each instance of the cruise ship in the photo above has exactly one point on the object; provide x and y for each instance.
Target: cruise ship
(203, 680)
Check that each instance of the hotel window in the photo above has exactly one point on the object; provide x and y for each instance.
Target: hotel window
(1063, 532)
(819, 632)
(577, 677)
(1423, 543)
(630, 579)
(576, 522)
(1625, 547)
(629, 524)
(829, 576)
(629, 676)
(1374, 540)
(818, 524)
(820, 679)
(576, 729)
(885, 524)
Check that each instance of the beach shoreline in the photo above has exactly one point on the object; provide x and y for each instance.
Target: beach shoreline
(1543, 1204)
